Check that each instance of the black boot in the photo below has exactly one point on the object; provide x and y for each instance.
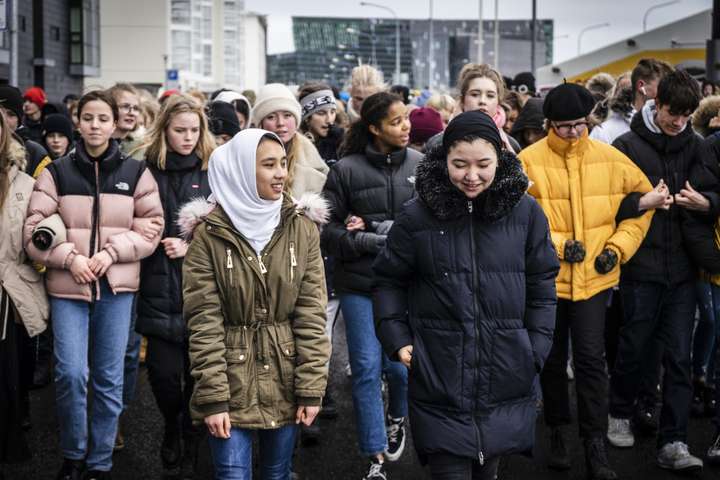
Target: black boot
(171, 450)
(596, 460)
(559, 458)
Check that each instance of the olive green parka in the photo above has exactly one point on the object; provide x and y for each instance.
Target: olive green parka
(258, 346)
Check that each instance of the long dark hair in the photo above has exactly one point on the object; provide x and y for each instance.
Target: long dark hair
(374, 109)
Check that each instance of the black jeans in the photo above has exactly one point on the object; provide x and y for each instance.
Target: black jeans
(614, 318)
(584, 323)
(169, 374)
(656, 312)
(445, 466)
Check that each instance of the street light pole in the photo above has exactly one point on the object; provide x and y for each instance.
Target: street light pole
(496, 35)
(431, 57)
(586, 29)
(655, 7)
(397, 35)
(480, 31)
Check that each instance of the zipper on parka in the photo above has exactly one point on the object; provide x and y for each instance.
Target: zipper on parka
(229, 264)
(476, 308)
(263, 270)
(293, 262)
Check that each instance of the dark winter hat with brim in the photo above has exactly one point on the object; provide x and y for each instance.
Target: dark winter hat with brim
(222, 118)
(568, 101)
(58, 123)
(11, 99)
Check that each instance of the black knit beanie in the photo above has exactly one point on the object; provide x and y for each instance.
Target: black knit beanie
(474, 123)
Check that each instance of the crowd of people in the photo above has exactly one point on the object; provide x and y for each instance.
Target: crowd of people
(483, 248)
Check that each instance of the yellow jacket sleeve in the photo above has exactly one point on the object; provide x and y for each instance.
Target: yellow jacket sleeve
(631, 232)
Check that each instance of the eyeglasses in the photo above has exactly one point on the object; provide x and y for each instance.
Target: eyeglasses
(565, 128)
(126, 107)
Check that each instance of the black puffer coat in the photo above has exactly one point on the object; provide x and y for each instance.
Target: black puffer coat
(372, 186)
(663, 256)
(159, 303)
(471, 285)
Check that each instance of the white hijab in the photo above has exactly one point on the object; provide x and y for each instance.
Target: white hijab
(231, 174)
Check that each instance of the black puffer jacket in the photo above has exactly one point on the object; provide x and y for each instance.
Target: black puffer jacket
(159, 303)
(471, 285)
(663, 256)
(372, 186)
(328, 146)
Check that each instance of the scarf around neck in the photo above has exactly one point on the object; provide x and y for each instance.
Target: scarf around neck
(231, 174)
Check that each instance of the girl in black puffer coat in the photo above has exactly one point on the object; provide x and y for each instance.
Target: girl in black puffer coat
(177, 153)
(465, 297)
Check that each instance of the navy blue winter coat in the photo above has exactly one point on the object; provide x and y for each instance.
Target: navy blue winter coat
(471, 285)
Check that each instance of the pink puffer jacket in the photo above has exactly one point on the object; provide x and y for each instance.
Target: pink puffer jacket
(103, 204)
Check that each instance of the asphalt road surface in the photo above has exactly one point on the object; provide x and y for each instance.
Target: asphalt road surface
(335, 457)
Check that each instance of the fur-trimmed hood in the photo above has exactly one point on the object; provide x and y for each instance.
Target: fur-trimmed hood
(447, 202)
(17, 155)
(311, 205)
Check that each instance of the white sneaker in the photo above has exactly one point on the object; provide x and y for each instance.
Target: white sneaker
(619, 433)
(675, 456)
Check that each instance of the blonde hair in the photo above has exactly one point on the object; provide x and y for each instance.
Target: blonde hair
(367, 76)
(157, 146)
(440, 101)
(198, 96)
(150, 107)
(471, 71)
(601, 83)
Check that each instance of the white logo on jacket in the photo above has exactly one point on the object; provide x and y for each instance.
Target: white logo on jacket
(122, 186)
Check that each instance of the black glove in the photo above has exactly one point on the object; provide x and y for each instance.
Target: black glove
(370, 242)
(382, 228)
(574, 251)
(606, 261)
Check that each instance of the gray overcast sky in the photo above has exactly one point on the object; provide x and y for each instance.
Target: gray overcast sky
(625, 16)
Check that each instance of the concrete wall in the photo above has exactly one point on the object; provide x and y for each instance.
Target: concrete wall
(254, 51)
(134, 39)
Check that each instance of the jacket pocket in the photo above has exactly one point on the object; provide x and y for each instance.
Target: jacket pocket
(512, 367)
(288, 359)
(237, 373)
(435, 375)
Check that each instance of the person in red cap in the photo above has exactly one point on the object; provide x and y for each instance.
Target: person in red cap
(424, 124)
(34, 100)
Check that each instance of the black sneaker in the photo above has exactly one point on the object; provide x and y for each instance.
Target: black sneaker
(646, 419)
(559, 458)
(376, 471)
(596, 460)
(97, 475)
(329, 409)
(713, 453)
(396, 438)
(71, 470)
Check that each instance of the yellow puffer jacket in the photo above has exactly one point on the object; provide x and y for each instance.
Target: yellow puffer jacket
(580, 186)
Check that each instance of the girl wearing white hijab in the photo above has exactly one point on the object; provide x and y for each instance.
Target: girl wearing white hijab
(254, 302)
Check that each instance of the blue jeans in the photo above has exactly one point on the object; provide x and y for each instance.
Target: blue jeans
(655, 311)
(97, 332)
(368, 363)
(232, 457)
(132, 360)
(708, 327)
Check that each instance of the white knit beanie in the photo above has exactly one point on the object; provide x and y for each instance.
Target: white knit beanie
(275, 97)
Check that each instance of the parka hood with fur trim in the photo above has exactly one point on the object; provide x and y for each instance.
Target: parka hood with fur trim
(446, 201)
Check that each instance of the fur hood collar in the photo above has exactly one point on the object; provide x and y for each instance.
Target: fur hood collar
(17, 154)
(311, 205)
(447, 202)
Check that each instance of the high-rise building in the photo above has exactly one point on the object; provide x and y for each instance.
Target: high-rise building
(208, 43)
(328, 48)
(57, 44)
